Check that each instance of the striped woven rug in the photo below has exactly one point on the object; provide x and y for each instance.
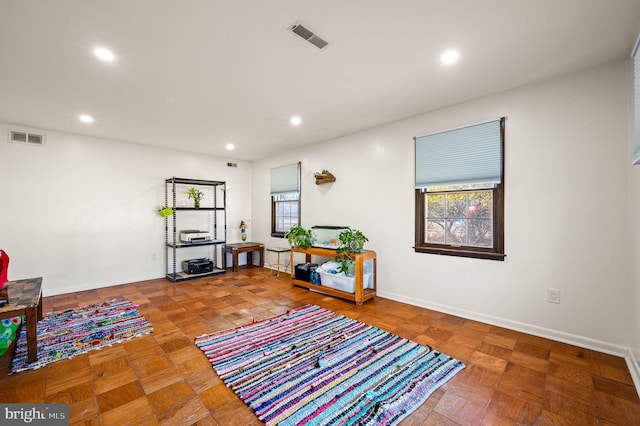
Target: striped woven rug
(72, 332)
(313, 366)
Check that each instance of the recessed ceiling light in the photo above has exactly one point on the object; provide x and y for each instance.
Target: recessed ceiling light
(230, 146)
(104, 54)
(449, 57)
(86, 118)
(295, 120)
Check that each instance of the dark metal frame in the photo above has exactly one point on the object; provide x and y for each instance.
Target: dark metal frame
(171, 239)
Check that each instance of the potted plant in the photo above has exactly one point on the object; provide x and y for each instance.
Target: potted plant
(351, 241)
(299, 237)
(197, 195)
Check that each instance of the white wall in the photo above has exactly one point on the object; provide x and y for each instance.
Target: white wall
(82, 212)
(566, 209)
(634, 296)
(634, 284)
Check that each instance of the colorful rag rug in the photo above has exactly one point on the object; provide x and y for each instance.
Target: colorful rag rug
(72, 332)
(313, 366)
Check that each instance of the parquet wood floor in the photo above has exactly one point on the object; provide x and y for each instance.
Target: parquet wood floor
(511, 378)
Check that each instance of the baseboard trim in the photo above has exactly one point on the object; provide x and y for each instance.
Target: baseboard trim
(560, 336)
(93, 286)
(634, 369)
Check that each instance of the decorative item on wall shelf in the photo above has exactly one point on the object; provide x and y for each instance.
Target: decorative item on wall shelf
(324, 177)
(243, 230)
(197, 195)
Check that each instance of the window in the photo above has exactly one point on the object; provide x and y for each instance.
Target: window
(460, 192)
(286, 213)
(285, 198)
(461, 218)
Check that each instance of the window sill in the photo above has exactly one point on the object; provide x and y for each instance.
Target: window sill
(278, 234)
(461, 253)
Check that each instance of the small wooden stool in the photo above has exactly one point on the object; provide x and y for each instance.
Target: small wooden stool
(275, 267)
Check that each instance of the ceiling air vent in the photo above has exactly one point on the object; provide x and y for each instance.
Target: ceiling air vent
(308, 35)
(26, 137)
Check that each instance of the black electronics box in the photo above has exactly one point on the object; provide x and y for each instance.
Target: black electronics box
(197, 266)
(303, 271)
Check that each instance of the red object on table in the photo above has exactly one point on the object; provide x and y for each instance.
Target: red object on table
(4, 265)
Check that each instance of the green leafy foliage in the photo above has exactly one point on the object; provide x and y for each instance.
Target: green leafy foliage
(299, 236)
(351, 241)
(196, 195)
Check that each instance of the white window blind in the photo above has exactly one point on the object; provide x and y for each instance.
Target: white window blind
(285, 179)
(636, 103)
(469, 155)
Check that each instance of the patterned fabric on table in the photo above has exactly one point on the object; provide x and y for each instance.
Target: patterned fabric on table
(8, 328)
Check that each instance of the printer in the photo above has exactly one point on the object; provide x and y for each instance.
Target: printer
(197, 266)
(194, 236)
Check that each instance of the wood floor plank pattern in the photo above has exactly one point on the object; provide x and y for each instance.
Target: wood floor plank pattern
(164, 379)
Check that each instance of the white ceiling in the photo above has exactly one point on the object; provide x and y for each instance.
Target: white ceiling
(198, 74)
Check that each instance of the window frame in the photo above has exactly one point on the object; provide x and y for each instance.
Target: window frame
(496, 252)
(274, 208)
(274, 203)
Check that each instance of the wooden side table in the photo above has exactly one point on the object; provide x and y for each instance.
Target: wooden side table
(25, 298)
(248, 248)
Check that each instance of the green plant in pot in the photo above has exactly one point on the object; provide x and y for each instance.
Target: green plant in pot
(351, 241)
(299, 237)
(196, 195)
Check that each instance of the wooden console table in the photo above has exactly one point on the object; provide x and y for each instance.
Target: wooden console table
(361, 294)
(25, 298)
(248, 248)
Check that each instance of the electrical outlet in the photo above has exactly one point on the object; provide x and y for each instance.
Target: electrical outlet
(553, 295)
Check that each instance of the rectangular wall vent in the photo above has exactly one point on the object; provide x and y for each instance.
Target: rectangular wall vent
(26, 137)
(308, 35)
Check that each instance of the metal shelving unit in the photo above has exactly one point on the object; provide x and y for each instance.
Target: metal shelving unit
(213, 212)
